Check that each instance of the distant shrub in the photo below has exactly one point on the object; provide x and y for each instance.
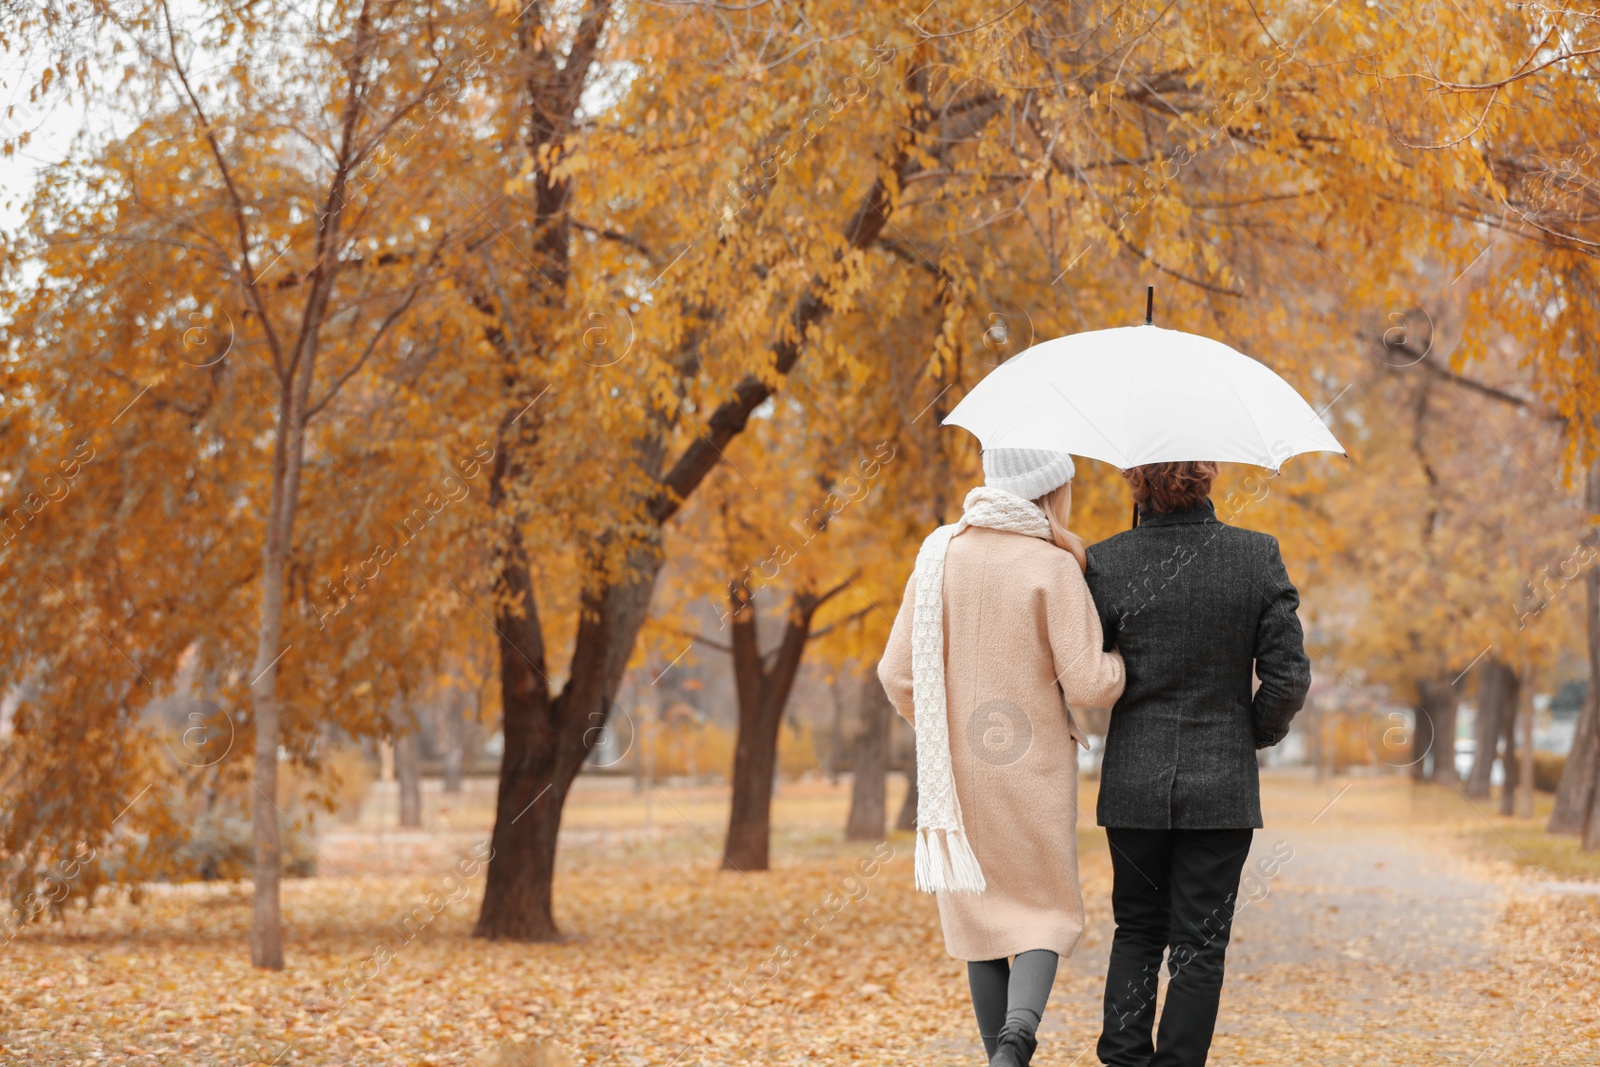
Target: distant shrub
(221, 847)
(339, 783)
(1547, 768)
(685, 746)
(797, 751)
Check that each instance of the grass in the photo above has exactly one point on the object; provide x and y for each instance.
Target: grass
(1556, 856)
(1522, 843)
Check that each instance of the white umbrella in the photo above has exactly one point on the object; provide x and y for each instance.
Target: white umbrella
(1143, 394)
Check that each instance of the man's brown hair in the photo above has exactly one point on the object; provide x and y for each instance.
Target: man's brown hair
(1171, 486)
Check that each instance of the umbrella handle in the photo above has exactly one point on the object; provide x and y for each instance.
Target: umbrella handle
(1149, 304)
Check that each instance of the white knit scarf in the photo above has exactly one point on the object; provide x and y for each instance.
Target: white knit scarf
(948, 864)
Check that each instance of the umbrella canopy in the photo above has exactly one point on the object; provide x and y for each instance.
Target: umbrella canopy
(1143, 394)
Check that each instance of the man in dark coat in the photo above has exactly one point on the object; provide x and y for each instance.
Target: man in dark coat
(1197, 607)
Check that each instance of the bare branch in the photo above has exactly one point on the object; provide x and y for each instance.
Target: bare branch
(240, 225)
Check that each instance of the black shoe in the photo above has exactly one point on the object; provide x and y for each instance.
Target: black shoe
(1016, 1047)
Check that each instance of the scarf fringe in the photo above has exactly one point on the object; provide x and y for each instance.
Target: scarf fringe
(948, 866)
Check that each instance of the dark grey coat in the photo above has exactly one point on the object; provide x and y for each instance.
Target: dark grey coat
(1194, 604)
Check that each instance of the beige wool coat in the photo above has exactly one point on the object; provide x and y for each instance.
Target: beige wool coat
(1020, 632)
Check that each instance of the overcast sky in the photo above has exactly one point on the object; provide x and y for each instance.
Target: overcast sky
(52, 129)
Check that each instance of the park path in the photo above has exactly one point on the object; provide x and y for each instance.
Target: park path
(1377, 941)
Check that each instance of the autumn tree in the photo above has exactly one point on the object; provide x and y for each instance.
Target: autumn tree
(252, 257)
(809, 192)
(1512, 98)
(575, 259)
(1443, 545)
(652, 452)
(790, 529)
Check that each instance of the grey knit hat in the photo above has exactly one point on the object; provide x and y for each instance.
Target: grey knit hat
(1028, 472)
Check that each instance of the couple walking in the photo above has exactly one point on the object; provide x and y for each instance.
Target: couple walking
(1007, 621)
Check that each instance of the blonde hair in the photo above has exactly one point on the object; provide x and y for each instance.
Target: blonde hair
(1059, 533)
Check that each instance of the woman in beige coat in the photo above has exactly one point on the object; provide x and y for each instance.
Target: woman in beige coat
(986, 683)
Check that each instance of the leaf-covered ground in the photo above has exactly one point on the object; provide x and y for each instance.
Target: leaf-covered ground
(1385, 935)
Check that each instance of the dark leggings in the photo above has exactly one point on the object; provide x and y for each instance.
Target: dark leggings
(1010, 995)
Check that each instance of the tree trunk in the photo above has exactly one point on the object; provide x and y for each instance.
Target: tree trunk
(522, 854)
(1510, 719)
(1576, 790)
(266, 919)
(763, 693)
(869, 799)
(641, 739)
(1421, 741)
(1591, 755)
(1438, 706)
(266, 923)
(1575, 795)
(452, 739)
(755, 752)
(408, 773)
(1316, 716)
(547, 739)
(754, 759)
(907, 819)
(835, 733)
(518, 890)
(1497, 701)
(1525, 756)
(1591, 825)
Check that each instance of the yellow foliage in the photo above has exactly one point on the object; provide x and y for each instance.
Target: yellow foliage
(689, 747)
(652, 349)
(797, 750)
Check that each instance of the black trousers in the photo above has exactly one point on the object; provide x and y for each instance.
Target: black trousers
(1171, 889)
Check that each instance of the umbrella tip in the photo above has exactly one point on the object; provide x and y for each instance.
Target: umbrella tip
(1149, 304)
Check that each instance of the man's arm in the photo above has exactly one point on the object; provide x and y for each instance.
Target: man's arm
(1281, 662)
